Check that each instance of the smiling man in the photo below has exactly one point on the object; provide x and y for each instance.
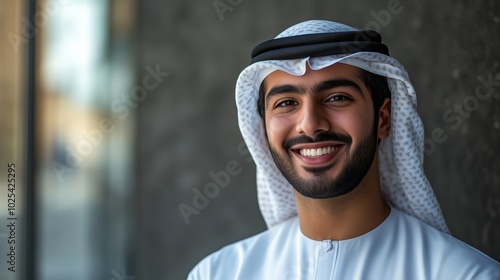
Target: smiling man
(330, 119)
(322, 133)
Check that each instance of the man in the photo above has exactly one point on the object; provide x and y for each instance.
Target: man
(330, 119)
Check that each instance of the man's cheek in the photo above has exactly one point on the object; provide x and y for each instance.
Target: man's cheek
(354, 124)
(275, 132)
(278, 126)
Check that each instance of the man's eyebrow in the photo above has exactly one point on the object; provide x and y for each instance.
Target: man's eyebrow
(330, 84)
(276, 90)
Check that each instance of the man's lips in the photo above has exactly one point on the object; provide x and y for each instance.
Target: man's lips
(317, 154)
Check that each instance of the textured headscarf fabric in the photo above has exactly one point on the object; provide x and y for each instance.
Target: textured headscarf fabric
(403, 182)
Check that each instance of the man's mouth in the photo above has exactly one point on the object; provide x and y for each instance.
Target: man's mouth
(319, 151)
(317, 154)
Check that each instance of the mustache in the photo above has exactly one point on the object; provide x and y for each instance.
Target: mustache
(321, 137)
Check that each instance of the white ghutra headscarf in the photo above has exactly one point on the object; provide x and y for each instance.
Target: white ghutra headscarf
(403, 182)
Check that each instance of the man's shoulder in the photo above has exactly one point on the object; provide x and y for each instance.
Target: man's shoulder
(401, 241)
(426, 236)
(417, 230)
(250, 249)
(442, 251)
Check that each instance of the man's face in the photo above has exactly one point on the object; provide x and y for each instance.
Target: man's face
(321, 129)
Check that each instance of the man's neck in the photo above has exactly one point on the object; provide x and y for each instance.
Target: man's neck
(346, 216)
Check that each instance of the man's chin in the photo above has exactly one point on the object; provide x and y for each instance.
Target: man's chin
(317, 171)
(319, 193)
(315, 193)
(314, 184)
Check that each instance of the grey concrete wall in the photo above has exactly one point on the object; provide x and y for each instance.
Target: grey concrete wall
(188, 127)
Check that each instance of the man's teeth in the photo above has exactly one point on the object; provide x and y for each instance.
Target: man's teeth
(317, 152)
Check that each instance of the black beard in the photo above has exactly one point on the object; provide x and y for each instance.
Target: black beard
(357, 165)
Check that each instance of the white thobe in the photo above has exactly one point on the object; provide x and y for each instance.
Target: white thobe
(401, 247)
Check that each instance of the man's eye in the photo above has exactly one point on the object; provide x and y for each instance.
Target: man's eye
(286, 103)
(338, 98)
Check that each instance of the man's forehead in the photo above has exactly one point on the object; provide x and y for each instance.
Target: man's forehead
(310, 77)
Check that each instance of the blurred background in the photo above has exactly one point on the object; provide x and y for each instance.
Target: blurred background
(117, 114)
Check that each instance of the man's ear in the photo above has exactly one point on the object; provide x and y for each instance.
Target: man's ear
(384, 119)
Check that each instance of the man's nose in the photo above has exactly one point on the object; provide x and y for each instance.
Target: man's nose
(313, 119)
